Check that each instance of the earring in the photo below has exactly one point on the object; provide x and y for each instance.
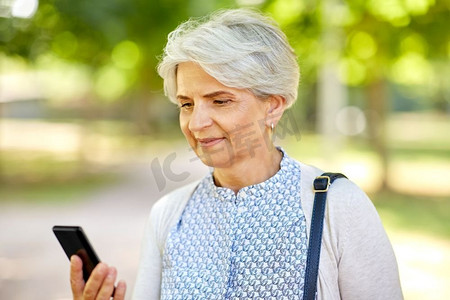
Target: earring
(272, 136)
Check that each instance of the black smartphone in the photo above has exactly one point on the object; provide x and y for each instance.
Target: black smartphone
(74, 241)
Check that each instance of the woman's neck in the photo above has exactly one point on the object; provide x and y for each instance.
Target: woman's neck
(249, 171)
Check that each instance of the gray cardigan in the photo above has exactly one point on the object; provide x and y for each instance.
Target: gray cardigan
(356, 258)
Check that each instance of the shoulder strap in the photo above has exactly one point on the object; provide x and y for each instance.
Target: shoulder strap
(321, 185)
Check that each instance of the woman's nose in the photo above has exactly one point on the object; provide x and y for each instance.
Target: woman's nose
(200, 118)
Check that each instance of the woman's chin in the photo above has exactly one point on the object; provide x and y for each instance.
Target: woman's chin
(220, 159)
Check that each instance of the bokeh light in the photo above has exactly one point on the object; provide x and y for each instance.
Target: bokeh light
(24, 8)
(126, 55)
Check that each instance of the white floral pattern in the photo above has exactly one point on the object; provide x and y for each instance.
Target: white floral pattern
(249, 245)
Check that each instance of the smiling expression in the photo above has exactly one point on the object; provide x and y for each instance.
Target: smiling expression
(223, 125)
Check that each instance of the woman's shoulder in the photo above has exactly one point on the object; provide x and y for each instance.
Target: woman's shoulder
(347, 203)
(341, 186)
(342, 194)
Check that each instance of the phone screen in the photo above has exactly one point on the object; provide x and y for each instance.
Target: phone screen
(74, 241)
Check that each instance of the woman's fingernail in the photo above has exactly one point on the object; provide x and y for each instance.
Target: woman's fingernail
(112, 272)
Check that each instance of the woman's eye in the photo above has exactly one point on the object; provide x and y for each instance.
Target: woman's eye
(222, 101)
(186, 105)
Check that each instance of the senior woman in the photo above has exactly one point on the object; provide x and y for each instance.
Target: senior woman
(242, 231)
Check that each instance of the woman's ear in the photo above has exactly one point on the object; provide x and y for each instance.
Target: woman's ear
(275, 110)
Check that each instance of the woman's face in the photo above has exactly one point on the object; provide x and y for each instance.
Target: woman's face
(223, 125)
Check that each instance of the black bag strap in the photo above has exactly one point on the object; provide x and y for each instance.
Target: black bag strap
(321, 185)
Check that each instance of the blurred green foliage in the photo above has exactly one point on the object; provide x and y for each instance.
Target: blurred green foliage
(418, 214)
(119, 41)
(97, 59)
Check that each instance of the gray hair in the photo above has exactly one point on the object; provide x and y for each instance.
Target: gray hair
(240, 48)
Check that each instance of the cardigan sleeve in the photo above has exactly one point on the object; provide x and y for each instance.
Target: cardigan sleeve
(148, 278)
(164, 213)
(367, 268)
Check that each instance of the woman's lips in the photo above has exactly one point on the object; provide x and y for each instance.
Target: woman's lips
(209, 142)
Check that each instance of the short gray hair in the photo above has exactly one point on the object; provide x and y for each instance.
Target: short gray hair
(241, 48)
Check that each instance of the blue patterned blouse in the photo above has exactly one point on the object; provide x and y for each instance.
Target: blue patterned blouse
(238, 246)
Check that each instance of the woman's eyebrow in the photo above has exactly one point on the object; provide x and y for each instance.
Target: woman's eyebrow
(218, 93)
(182, 97)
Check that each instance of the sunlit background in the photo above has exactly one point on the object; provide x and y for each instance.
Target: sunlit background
(87, 137)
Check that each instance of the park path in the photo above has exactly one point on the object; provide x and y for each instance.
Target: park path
(32, 263)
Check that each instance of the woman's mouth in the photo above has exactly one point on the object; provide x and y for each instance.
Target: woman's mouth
(209, 142)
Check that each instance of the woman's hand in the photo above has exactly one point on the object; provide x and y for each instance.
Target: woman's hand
(100, 284)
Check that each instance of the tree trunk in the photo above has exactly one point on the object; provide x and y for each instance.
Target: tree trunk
(331, 97)
(376, 117)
